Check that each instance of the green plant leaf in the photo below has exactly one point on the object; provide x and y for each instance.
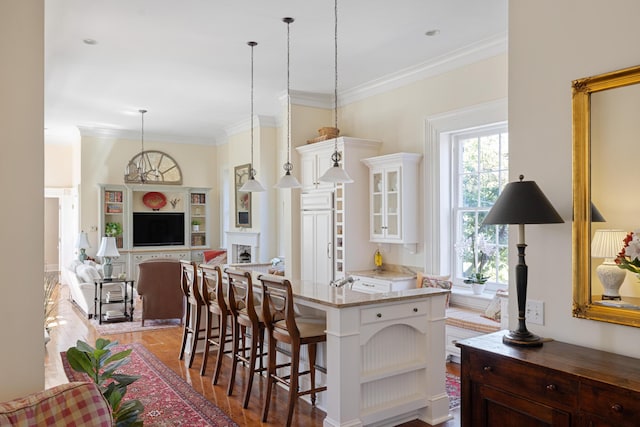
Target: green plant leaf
(117, 356)
(128, 414)
(81, 362)
(125, 379)
(100, 364)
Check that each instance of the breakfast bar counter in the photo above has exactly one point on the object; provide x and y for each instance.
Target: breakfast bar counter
(385, 354)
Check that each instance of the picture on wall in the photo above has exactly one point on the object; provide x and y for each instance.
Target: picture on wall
(243, 199)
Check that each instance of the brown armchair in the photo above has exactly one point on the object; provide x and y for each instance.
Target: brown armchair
(160, 289)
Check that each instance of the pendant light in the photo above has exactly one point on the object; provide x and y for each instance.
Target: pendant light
(139, 169)
(288, 180)
(252, 185)
(335, 173)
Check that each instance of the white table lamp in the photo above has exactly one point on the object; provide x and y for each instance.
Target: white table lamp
(82, 243)
(107, 251)
(607, 244)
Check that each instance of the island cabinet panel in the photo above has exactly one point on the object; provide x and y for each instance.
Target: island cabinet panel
(384, 355)
(558, 384)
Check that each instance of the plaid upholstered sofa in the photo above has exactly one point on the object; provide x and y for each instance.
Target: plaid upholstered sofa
(71, 404)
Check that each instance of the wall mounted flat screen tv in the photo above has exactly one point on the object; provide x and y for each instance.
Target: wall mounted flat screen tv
(158, 228)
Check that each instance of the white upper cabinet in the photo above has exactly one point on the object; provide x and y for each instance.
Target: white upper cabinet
(393, 197)
(315, 160)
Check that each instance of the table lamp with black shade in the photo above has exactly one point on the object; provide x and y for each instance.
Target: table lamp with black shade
(521, 203)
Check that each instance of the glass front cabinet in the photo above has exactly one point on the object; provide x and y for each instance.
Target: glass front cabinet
(393, 197)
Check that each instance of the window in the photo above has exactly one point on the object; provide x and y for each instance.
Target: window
(480, 162)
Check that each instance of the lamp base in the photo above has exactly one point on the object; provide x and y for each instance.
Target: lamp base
(522, 339)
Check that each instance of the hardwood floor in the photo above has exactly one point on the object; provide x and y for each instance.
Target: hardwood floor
(70, 326)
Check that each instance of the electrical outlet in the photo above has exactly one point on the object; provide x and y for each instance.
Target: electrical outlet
(534, 312)
(94, 228)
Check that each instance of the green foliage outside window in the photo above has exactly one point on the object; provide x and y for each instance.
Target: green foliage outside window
(483, 168)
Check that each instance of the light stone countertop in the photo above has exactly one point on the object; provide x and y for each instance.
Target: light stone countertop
(384, 274)
(345, 297)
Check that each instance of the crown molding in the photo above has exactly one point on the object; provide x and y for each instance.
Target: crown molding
(245, 124)
(475, 52)
(86, 131)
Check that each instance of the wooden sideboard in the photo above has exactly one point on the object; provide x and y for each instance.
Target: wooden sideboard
(558, 384)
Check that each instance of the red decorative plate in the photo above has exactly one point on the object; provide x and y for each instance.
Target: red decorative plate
(154, 200)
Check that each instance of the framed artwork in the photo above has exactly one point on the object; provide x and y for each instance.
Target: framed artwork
(243, 200)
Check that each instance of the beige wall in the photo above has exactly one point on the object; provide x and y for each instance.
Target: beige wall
(579, 39)
(104, 160)
(21, 180)
(59, 165)
(397, 118)
(237, 152)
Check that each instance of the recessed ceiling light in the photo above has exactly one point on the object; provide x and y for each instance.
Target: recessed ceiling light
(89, 41)
(432, 33)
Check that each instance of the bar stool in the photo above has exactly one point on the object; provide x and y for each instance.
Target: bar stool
(247, 315)
(213, 296)
(283, 326)
(194, 305)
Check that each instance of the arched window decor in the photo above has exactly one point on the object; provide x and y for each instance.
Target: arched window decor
(153, 167)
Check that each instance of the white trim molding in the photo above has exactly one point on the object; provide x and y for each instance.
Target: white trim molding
(437, 155)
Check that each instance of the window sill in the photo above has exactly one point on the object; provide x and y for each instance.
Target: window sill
(466, 298)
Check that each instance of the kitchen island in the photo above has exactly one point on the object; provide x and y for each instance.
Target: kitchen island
(385, 354)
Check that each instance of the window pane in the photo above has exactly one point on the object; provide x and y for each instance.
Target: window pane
(469, 155)
(481, 174)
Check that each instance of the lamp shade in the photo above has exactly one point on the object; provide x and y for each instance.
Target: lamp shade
(108, 247)
(251, 186)
(82, 242)
(596, 216)
(288, 181)
(336, 175)
(607, 243)
(522, 202)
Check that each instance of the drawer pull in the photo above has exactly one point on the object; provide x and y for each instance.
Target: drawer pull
(415, 310)
(552, 387)
(379, 315)
(616, 407)
(487, 369)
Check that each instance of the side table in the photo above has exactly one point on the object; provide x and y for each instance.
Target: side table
(99, 300)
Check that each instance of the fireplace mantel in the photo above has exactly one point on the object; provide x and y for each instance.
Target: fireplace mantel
(237, 239)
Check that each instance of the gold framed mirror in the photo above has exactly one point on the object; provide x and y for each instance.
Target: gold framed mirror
(606, 129)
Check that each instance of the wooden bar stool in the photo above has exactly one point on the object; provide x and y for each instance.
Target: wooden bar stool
(193, 311)
(247, 316)
(282, 326)
(214, 295)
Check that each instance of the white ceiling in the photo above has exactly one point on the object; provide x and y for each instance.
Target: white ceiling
(188, 63)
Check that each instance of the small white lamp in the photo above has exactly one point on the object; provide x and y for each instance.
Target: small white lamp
(107, 251)
(82, 243)
(607, 244)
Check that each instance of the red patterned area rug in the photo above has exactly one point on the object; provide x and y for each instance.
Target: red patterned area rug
(453, 390)
(168, 400)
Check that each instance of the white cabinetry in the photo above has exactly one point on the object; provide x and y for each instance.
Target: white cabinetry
(315, 161)
(350, 249)
(198, 212)
(119, 203)
(140, 257)
(393, 202)
(367, 283)
(317, 245)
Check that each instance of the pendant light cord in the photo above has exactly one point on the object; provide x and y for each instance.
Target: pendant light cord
(252, 171)
(288, 21)
(142, 170)
(335, 62)
(336, 157)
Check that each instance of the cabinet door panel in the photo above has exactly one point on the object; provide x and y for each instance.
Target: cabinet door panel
(316, 257)
(504, 409)
(307, 258)
(324, 257)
